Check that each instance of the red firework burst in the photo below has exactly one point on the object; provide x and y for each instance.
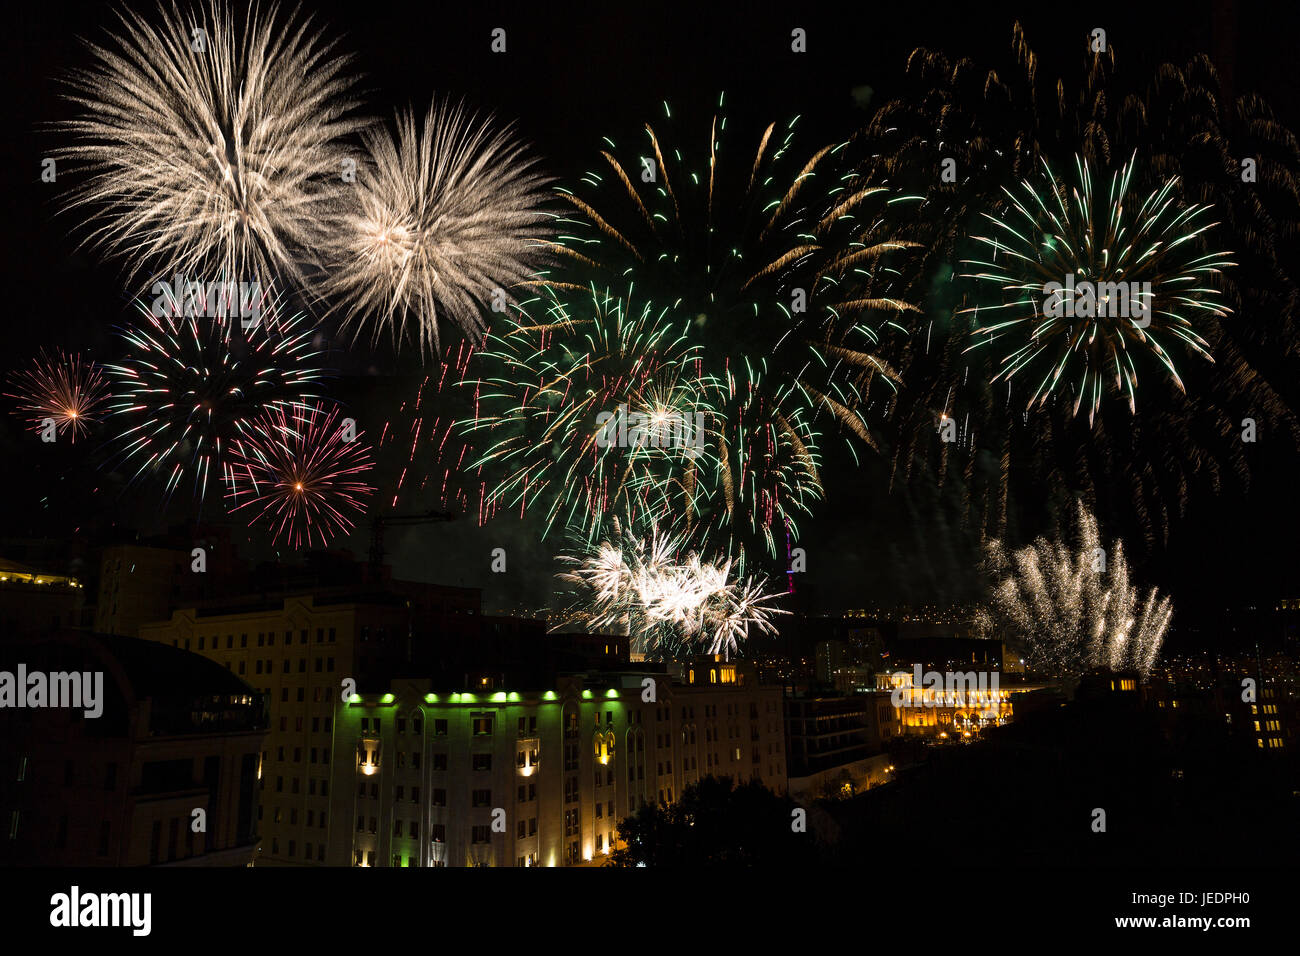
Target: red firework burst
(298, 472)
(59, 388)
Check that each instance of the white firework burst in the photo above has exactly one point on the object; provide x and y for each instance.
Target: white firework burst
(1075, 609)
(669, 605)
(443, 214)
(212, 142)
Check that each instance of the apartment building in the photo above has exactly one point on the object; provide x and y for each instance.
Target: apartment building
(304, 652)
(539, 776)
(166, 774)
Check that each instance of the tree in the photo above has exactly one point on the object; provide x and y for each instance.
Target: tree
(716, 823)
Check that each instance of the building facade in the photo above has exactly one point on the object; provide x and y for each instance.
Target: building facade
(299, 651)
(538, 777)
(166, 774)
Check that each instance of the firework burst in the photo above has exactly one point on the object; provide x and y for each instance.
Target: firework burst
(444, 218)
(297, 470)
(555, 396)
(671, 604)
(62, 389)
(996, 119)
(1095, 282)
(779, 262)
(188, 388)
(213, 142)
(1075, 608)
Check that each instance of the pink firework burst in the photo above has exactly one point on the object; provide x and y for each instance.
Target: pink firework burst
(298, 471)
(59, 388)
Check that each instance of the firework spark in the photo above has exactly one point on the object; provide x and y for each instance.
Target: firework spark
(671, 605)
(1141, 286)
(62, 389)
(781, 263)
(188, 387)
(424, 448)
(554, 392)
(995, 121)
(297, 469)
(1076, 609)
(446, 217)
(213, 142)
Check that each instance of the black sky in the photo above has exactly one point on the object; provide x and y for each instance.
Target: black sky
(571, 74)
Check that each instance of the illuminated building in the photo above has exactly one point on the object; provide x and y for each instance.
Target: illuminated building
(177, 734)
(963, 709)
(536, 777)
(34, 600)
(297, 650)
(1268, 723)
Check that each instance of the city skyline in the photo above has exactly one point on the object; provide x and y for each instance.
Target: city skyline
(755, 439)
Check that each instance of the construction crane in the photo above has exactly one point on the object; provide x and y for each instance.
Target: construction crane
(379, 522)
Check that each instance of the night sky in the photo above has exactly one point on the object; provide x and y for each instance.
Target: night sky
(572, 75)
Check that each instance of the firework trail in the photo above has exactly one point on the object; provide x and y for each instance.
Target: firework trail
(59, 388)
(443, 219)
(297, 470)
(189, 386)
(670, 604)
(1074, 608)
(427, 450)
(213, 142)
